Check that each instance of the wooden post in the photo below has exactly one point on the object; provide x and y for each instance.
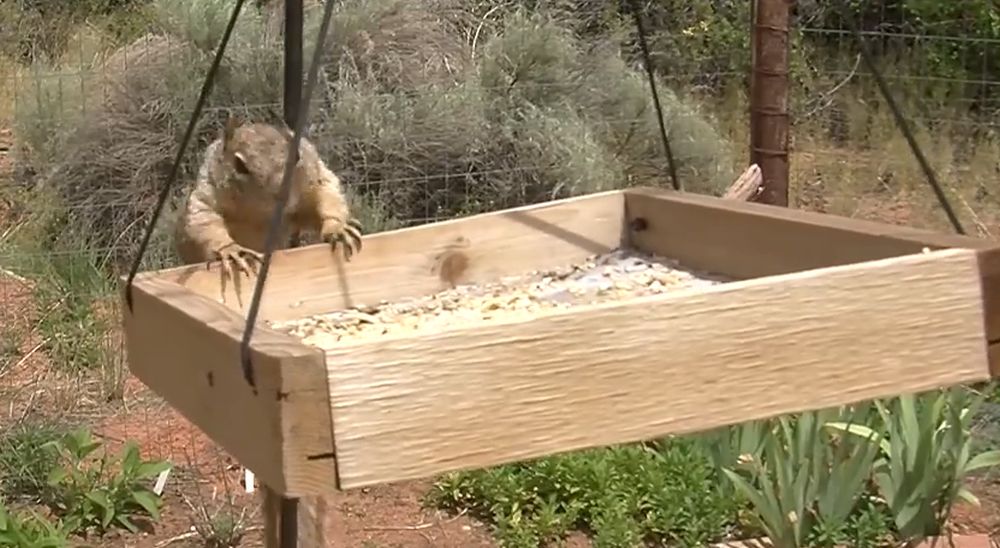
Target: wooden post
(769, 98)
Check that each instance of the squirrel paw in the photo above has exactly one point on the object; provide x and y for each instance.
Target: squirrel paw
(244, 259)
(349, 233)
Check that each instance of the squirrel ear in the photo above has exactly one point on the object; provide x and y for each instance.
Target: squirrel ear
(240, 163)
(232, 122)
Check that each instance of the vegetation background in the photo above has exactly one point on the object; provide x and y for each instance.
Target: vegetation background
(431, 109)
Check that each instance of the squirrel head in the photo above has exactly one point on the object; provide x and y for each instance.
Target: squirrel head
(254, 156)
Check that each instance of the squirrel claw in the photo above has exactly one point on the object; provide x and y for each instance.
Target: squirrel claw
(244, 259)
(350, 236)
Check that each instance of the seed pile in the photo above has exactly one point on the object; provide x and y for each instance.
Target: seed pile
(617, 275)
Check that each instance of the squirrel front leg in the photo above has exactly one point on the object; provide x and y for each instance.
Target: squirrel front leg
(202, 236)
(331, 215)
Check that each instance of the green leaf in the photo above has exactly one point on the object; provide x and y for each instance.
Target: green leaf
(862, 431)
(126, 523)
(100, 498)
(773, 520)
(130, 459)
(984, 460)
(151, 469)
(149, 502)
(56, 476)
(967, 495)
(847, 483)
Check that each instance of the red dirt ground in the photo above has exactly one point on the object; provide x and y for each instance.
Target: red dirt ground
(387, 515)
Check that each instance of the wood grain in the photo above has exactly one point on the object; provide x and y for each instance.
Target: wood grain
(409, 407)
(186, 348)
(424, 259)
(747, 240)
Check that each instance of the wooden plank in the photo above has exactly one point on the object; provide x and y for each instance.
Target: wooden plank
(469, 397)
(746, 240)
(186, 348)
(424, 259)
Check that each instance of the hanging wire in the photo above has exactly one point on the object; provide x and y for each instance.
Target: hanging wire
(641, 29)
(206, 88)
(900, 119)
(277, 217)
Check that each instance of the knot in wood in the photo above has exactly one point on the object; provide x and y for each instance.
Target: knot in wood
(452, 263)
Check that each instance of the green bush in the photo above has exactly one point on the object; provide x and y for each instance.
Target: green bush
(806, 487)
(28, 529)
(925, 455)
(664, 492)
(93, 492)
(24, 463)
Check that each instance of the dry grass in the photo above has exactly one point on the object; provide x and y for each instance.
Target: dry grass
(876, 175)
(10, 76)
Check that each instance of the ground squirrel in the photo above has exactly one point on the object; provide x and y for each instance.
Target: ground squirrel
(226, 215)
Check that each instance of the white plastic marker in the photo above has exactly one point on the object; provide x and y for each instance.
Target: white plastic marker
(161, 482)
(248, 480)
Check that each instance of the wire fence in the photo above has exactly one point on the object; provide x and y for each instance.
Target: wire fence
(849, 156)
(506, 110)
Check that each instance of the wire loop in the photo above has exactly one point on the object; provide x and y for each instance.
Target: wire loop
(206, 88)
(641, 29)
(277, 217)
(904, 127)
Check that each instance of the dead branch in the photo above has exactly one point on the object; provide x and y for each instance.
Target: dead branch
(748, 185)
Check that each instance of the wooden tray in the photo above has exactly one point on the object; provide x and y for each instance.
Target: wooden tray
(826, 311)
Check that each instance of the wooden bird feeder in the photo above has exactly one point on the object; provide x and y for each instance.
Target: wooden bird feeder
(823, 311)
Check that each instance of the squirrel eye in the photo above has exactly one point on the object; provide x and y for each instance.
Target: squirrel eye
(241, 166)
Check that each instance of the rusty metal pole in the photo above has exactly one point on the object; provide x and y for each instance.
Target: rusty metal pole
(288, 508)
(292, 96)
(769, 98)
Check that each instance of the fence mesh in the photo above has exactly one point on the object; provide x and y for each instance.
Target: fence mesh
(431, 110)
(850, 157)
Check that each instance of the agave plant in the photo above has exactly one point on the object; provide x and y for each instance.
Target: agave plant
(795, 475)
(925, 450)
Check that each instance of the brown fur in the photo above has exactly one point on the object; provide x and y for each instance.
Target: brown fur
(227, 214)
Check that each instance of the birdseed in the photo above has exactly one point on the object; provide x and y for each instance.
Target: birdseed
(620, 274)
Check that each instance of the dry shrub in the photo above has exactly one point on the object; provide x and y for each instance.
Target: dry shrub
(399, 45)
(541, 114)
(427, 111)
(103, 153)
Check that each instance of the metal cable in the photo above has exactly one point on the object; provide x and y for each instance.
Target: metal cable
(277, 217)
(644, 47)
(901, 120)
(206, 88)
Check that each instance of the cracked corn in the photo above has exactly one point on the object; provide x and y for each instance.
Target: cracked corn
(617, 275)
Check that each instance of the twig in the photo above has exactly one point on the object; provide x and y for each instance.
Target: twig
(748, 185)
(976, 219)
(16, 277)
(418, 527)
(24, 358)
(193, 534)
(27, 408)
(475, 37)
(178, 538)
(828, 96)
